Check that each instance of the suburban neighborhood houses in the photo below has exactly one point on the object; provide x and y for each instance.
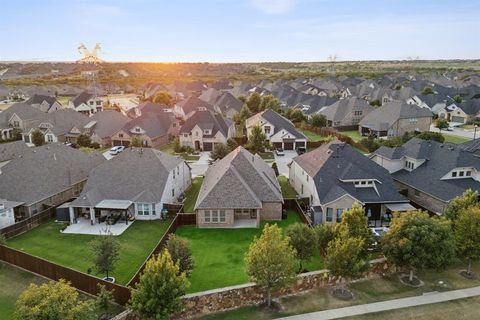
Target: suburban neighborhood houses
(226, 193)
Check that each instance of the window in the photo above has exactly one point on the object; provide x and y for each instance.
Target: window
(16, 124)
(173, 173)
(144, 209)
(358, 112)
(178, 170)
(454, 174)
(461, 173)
(120, 135)
(214, 216)
(137, 129)
(222, 216)
(307, 177)
(206, 215)
(329, 214)
(302, 189)
(185, 135)
(468, 173)
(413, 120)
(49, 138)
(267, 129)
(370, 182)
(364, 182)
(339, 215)
(196, 133)
(416, 192)
(173, 192)
(99, 103)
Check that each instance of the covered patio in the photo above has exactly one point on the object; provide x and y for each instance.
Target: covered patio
(108, 212)
(83, 226)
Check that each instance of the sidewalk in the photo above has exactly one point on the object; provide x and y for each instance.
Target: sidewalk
(426, 298)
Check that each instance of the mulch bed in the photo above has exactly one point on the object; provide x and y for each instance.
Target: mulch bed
(342, 294)
(405, 279)
(471, 276)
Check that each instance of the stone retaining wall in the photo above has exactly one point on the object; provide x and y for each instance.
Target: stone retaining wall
(212, 301)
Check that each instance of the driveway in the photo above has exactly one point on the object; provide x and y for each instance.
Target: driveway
(200, 166)
(107, 155)
(466, 133)
(284, 161)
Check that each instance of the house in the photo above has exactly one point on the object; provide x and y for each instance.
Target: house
(239, 190)
(86, 103)
(103, 125)
(44, 103)
(346, 112)
(394, 119)
(45, 177)
(335, 176)
(184, 109)
(280, 131)
(63, 125)
(430, 173)
(16, 118)
(464, 112)
(204, 129)
(137, 183)
(11, 150)
(151, 129)
(7, 216)
(227, 105)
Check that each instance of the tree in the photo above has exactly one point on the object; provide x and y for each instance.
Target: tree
(179, 249)
(344, 257)
(458, 98)
(275, 169)
(441, 123)
(105, 249)
(257, 141)
(38, 139)
(177, 148)
(269, 102)
(136, 142)
(324, 233)
(219, 151)
(318, 120)
(271, 261)
(53, 301)
(295, 115)
(434, 136)
(376, 103)
(354, 224)
(467, 235)
(232, 144)
(157, 294)
(104, 300)
(302, 239)
(163, 97)
(468, 199)
(416, 241)
(84, 141)
(427, 90)
(253, 102)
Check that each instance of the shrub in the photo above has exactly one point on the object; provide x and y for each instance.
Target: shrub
(179, 249)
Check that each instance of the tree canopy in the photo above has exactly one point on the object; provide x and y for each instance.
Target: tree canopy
(354, 224)
(105, 249)
(179, 249)
(163, 97)
(257, 141)
(318, 120)
(253, 102)
(467, 234)
(38, 139)
(302, 239)
(468, 199)
(271, 261)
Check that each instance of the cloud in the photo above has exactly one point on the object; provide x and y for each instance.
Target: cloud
(274, 6)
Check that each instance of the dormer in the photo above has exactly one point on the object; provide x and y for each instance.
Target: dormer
(45, 125)
(207, 132)
(137, 130)
(462, 173)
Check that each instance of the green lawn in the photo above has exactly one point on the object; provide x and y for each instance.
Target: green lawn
(355, 135)
(455, 139)
(73, 250)
(191, 195)
(312, 136)
(374, 290)
(168, 148)
(267, 155)
(14, 281)
(287, 190)
(219, 254)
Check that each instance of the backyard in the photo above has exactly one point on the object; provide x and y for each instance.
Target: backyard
(455, 139)
(191, 195)
(373, 290)
(354, 135)
(219, 254)
(312, 136)
(73, 250)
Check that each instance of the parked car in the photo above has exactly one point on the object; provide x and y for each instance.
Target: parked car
(377, 233)
(116, 150)
(301, 150)
(279, 152)
(449, 128)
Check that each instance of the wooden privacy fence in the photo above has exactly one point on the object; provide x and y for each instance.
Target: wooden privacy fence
(292, 204)
(179, 220)
(29, 223)
(82, 281)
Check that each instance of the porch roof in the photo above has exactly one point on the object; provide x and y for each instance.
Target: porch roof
(399, 206)
(114, 204)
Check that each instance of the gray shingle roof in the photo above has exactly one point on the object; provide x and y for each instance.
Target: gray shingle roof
(385, 116)
(240, 180)
(155, 124)
(39, 98)
(82, 97)
(441, 159)
(24, 111)
(11, 150)
(280, 122)
(331, 163)
(341, 108)
(108, 122)
(135, 175)
(207, 120)
(44, 171)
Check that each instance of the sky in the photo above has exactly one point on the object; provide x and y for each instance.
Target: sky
(240, 30)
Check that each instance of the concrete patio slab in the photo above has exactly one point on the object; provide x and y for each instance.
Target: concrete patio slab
(83, 226)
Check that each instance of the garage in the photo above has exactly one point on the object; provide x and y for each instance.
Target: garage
(300, 144)
(288, 144)
(458, 119)
(277, 145)
(207, 146)
(120, 143)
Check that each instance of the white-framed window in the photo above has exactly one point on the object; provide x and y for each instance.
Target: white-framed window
(145, 209)
(413, 120)
(454, 174)
(222, 217)
(468, 173)
(267, 129)
(329, 214)
(49, 138)
(173, 192)
(214, 216)
(339, 214)
(206, 216)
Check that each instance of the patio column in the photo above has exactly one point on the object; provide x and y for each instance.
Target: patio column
(71, 210)
(92, 216)
(258, 218)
